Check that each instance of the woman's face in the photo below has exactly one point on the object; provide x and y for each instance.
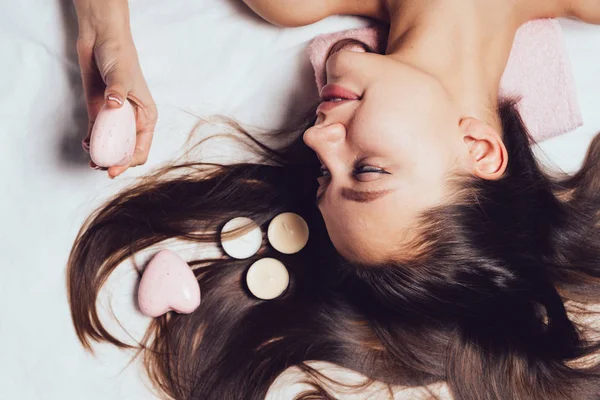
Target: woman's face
(385, 154)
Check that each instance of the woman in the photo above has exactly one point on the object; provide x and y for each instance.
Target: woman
(439, 249)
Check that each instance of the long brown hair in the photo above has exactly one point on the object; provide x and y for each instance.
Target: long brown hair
(482, 307)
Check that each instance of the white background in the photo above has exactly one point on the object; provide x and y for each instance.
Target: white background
(202, 57)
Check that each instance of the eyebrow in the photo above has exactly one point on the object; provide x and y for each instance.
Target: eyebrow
(358, 195)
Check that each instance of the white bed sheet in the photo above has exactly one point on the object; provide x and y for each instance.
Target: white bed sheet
(199, 56)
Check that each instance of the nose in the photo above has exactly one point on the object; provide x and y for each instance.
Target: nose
(322, 139)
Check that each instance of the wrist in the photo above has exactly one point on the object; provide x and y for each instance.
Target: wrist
(102, 17)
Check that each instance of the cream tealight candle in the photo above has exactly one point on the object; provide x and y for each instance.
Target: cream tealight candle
(267, 278)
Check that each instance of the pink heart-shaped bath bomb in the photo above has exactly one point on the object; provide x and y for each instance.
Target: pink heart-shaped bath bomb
(168, 284)
(112, 141)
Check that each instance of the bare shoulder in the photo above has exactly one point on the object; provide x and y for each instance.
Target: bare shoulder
(585, 10)
(291, 13)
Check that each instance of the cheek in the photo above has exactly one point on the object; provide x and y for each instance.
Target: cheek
(341, 225)
(336, 234)
(427, 182)
(433, 159)
(329, 219)
(382, 130)
(335, 217)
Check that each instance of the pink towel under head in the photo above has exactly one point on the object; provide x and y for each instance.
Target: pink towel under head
(538, 73)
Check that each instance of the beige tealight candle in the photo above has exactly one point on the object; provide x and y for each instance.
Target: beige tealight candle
(267, 278)
(288, 233)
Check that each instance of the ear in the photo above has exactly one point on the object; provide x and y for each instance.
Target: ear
(487, 155)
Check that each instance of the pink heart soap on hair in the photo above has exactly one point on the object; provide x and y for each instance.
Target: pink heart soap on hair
(112, 141)
(168, 284)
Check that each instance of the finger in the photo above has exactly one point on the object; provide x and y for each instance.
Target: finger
(96, 167)
(140, 156)
(146, 117)
(118, 86)
(85, 144)
(145, 133)
(113, 172)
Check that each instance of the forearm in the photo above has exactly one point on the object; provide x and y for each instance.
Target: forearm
(102, 17)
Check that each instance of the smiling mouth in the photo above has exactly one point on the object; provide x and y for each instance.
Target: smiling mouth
(335, 95)
(329, 105)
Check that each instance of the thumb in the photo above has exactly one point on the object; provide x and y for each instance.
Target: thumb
(118, 85)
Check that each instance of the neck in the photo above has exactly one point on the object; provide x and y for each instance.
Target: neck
(465, 44)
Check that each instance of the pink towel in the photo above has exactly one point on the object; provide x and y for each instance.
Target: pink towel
(538, 72)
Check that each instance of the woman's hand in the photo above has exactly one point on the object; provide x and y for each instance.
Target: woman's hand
(111, 71)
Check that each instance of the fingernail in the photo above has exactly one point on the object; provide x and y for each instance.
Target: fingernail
(115, 98)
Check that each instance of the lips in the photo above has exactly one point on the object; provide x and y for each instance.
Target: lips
(335, 92)
(333, 96)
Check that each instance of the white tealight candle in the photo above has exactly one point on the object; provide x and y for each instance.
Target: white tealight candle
(243, 246)
(288, 233)
(267, 278)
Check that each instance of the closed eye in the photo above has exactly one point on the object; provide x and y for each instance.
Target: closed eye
(368, 173)
(364, 173)
(367, 169)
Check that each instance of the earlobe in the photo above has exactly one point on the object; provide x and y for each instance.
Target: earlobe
(487, 155)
